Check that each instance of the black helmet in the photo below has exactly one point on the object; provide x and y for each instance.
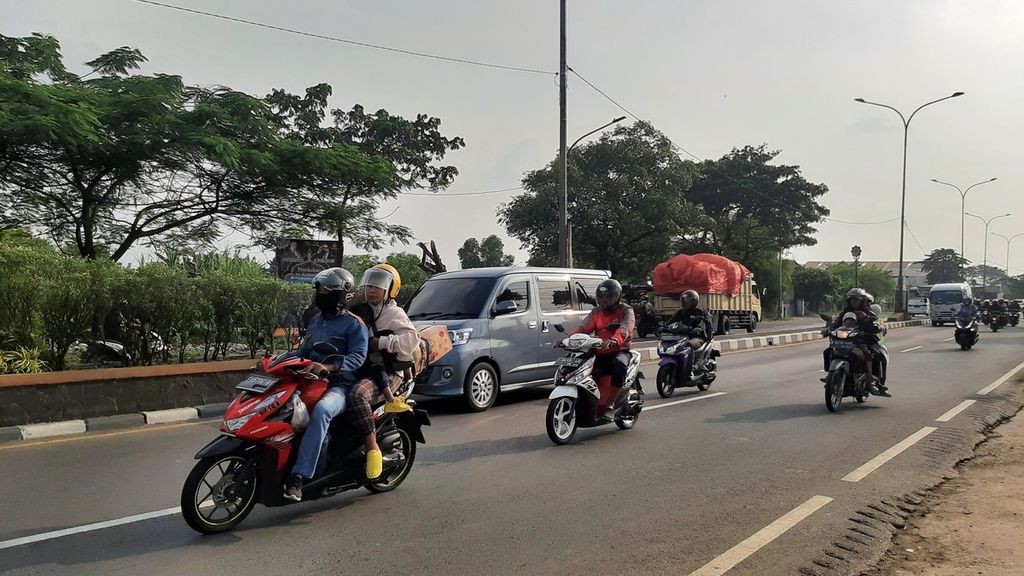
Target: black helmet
(689, 299)
(608, 293)
(968, 300)
(335, 280)
(865, 298)
(986, 303)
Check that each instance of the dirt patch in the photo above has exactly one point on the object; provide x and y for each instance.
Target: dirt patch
(974, 523)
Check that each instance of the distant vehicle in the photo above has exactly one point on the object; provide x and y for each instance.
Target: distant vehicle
(919, 307)
(727, 311)
(945, 300)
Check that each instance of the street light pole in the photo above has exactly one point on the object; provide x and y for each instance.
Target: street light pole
(963, 209)
(563, 198)
(569, 259)
(856, 252)
(900, 300)
(1008, 240)
(984, 268)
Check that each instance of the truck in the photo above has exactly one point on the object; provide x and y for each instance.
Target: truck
(945, 300)
(727, 311)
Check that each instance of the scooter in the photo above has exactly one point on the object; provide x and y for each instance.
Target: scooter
(569, 409)
(674, 369)
(258, 445)
(845, 377)
(998, 321)
(966, 333)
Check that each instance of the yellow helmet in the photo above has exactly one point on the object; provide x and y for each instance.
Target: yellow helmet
(396, 279)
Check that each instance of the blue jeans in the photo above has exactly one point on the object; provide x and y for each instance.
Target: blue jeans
(330, 405)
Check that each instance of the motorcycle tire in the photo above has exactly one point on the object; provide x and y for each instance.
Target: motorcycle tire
(556, 432)
(388, 481)
(994, 328)
(666, 381)
(834, 387)
(708, 378)
(626, 423)
(965, 346)
(196, 483)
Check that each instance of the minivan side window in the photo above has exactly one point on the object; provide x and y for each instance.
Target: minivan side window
(585, 288)
(553, 295)
(517, 291)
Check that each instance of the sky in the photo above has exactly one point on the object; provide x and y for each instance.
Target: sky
(710, 75)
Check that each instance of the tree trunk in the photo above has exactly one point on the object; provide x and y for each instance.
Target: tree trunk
(339, 254)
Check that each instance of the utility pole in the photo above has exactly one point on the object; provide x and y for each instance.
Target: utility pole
(563, 197)
(782, 303)
(855, 252)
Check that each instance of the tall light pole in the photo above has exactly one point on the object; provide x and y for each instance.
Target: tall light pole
(963, 205)
(984, 268)
(569, 259)
(901, 304)
(1008, 240)
(855, 252)
(563, 198)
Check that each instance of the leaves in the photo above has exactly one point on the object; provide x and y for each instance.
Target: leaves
(944, 265)
(489, 253)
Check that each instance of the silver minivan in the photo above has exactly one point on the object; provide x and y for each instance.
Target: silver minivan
(501, 321)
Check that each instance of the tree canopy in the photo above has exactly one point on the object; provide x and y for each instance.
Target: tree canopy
(490, 252)
(944, 265)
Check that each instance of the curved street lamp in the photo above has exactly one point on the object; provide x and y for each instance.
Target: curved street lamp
(900, 300)
(984, 272)
(963, 205)
(1008, 240)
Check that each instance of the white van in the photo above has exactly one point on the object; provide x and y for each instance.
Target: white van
(918, 306)
(945, 299)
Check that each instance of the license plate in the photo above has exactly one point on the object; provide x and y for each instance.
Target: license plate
(257, 383)
(569, 361)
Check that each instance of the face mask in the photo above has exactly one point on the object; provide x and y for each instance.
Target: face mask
(328, 303)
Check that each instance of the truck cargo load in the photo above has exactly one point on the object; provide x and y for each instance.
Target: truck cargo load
(703, 273)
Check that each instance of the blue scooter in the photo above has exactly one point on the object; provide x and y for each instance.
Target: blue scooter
(676, 358)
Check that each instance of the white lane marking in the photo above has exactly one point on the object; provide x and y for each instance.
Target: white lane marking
(912, 349)
(876, 462)
(949, 339)
(738, 553)
(89, 527)
(999, 382)
(677, 402)
(955, 410)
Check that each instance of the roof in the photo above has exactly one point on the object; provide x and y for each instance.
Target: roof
(889, 266)
(506, 270)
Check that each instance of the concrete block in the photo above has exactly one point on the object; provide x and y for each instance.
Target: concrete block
(10, 434)
(117, 422)
(172, 415)
(48, 429)
(218, 410)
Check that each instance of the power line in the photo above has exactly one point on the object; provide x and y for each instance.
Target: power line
(914, 237)
(698, 159)
(343, 40)
(447, 195)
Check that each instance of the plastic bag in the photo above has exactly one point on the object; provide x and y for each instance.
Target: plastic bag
(300, 415)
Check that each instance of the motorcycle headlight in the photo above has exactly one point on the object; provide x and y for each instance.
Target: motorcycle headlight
(237, 423)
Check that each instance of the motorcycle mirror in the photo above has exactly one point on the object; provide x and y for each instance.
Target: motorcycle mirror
(560, 328)
(614, 326)
(825, 317)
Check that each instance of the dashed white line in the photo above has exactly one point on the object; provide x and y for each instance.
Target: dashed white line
(876, 462)
(955, 410)
(949, 339)
(912, 349)
(667, 404)
(999, 382)
(763, 537)
(88, 528)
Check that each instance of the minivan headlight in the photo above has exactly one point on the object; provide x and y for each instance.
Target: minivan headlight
(460, 336)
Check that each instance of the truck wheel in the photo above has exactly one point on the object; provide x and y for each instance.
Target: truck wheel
(726, 326)
(752, 326)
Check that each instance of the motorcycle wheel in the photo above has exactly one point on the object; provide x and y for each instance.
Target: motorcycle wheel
(666, 381)
(218, 494)
(834, 385)
(627, 422)
(995, 328)
(965, 346)
(404, 452)
(561, 420)
(705, 384)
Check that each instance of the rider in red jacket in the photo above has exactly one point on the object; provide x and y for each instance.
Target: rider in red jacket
(613, 357)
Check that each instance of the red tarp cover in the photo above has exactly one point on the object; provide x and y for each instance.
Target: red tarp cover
(705, 273)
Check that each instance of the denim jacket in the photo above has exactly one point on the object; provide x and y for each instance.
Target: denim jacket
(344, 332)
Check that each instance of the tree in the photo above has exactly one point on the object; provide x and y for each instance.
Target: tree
(814, 286)
(489, 253)
(944, 265)
(107, 162)
(877, 282)
(626, 204)
(984, 275)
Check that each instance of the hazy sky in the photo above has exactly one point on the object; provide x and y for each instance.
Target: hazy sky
(711, 75)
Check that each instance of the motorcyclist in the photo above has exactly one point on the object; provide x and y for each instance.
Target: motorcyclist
(968, 309)
(858, 302)
(342, 330)
(1013, 307)
(613, 357)
(393, 340)
(697, 320)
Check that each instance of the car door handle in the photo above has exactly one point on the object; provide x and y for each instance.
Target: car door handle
(544, 326)
(531, 324)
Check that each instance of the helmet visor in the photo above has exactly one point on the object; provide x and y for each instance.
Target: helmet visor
(377, 278)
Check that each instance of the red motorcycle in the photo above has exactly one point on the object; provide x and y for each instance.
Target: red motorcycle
(251, 459)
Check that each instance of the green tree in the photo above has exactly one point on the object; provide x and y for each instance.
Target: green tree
(877, 282)
(114, 158)
(489, 253)
(984, 275)
(626, 204)
(944, 265)
(814, 286)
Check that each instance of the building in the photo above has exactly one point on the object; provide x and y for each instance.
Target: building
(913, 274)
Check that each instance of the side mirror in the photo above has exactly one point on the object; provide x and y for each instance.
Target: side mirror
(825, 317)
(325, 348)
(614, 326)
(505, 307)
(560, 328)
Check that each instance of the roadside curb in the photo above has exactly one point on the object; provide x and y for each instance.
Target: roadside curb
(108, 423)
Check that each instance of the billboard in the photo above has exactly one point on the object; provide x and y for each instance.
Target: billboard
(298, 261)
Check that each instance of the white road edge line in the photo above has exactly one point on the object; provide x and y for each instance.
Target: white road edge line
(88, 527)
(955, 410)
(876, 462)
(912, 349)
(949, 339)
(667, 404)
(740, 552)
(999, 382)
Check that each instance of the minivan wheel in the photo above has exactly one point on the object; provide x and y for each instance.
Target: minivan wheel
(481, 388)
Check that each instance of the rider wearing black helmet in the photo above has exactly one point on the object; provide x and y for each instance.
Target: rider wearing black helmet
(696, 318)
(858, 301)
(336, 341)
(613, 322)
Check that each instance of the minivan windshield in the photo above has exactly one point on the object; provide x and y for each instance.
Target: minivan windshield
(947, 297)
(447, 298)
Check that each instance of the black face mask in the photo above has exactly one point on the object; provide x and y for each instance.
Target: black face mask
(328, 303)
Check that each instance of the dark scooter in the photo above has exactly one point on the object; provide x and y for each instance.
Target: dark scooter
(674, 369)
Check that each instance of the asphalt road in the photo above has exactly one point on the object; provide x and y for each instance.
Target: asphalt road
(763, 329)
(490, 494)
